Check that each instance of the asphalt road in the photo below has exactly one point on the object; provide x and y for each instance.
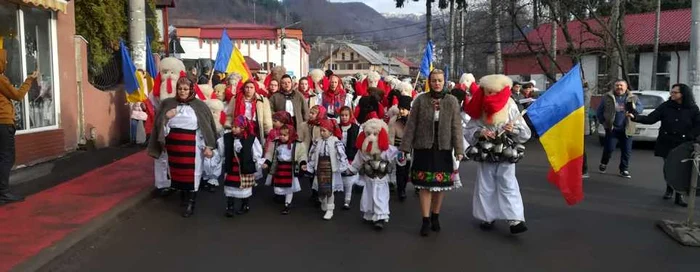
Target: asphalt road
(612, 230)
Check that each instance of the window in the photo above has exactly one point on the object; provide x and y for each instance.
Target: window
(650, 102)
(352, 56)
(342, 56)
(29, 32)
(663, 72)
(602, 74)
(633, 71)
(334, 66)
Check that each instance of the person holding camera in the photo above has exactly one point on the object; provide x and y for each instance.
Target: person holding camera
(612, 113)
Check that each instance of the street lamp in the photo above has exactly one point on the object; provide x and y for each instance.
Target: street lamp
(282, 36)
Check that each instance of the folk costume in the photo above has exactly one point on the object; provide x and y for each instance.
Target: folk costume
(496, 193)
(213, 165)
(369, 106)
(243, 159)
(256, 109)
(333, 99)
(283, 117)
(374, 162)
(397, 125)
(291, 101)
(315, 89)
(184, 137)
(327, 160)
(285, 160)
(350, 131)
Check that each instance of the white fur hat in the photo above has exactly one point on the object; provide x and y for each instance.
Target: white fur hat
(495, 82)
(467, 78)
(406, 88)
(316, 75)
(373, 76)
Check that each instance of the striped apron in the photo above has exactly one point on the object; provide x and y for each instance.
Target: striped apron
(324, 176)
(181, 145)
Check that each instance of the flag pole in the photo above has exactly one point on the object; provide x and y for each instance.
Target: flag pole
(416, 81)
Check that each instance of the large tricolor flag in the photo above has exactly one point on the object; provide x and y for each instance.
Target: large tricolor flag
(131, 77)
(229, 59)
(558, 118)
(426, 64)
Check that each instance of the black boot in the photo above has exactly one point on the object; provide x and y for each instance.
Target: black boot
(230, 201)
(379, 225)
(183, 198)
(244, 206)
(287, 209)
(189, 209)
(314, 198)
(425, 228)
(669, 192)
(486, 225)
(680, 200)
(519, 228)
(435, 222)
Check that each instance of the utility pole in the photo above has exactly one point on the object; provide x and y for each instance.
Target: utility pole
(452, 38)
(137, 32)
(428, 19)
(694, 63)
(655, 60)
(496, 18)
(462, 37)
(283, 47)
(553, 45)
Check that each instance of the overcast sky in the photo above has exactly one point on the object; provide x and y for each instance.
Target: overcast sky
(387, 6)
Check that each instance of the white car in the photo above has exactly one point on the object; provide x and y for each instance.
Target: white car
(646, 133)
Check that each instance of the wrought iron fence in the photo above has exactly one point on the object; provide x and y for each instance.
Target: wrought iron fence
(107, 76)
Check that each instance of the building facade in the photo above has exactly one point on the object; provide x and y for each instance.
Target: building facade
(522, 64)
(349, 59)
(259, 42)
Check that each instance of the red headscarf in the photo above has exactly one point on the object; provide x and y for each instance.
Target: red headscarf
(336, 97)
(240, 101)
(480, 103)
(330, 125)
(247, 126)
(319, 117)
(351, 120)
(292, 134)
(308, 91)
(282, 116)
(312, 85)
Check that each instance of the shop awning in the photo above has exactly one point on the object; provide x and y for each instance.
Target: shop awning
(57, 5)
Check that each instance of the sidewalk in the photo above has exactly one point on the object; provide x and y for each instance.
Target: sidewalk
(37, 230)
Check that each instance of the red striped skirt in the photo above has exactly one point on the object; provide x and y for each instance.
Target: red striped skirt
(284, 173)
(181, 145)
(239, 180)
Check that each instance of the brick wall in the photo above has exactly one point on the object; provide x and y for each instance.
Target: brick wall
(38, 146)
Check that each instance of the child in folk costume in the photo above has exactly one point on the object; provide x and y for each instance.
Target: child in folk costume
(309, 132)
(243, 158)
(279, 120)
(496, 193)
(327, 160)
(212, 166)
(350, 130)
(374, 162)
(285, 157)
(397, 124)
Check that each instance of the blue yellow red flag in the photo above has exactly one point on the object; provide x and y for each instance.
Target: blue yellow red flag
(230, 60)
(131, 84)
(558, 118)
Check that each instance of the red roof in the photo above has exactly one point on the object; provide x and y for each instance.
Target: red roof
(252, 64)
(165, 3)
(639, 31)
(407, 62)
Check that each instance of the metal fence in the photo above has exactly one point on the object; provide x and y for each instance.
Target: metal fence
(107, 76)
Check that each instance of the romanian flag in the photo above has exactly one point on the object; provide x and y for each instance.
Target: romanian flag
(230, 60)
(151, 70)
(131, 82)
(426, 64)
(558, 118)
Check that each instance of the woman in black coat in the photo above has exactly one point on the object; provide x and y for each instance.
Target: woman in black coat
(680, 122)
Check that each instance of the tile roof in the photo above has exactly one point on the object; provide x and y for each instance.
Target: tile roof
(639, 31)
(369, 54)
(407, 62)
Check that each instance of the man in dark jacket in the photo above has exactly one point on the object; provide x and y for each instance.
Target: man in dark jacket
(204, 78)
(612, 114)
(290, 100)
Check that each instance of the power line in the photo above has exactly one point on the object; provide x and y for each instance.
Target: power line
(360, 32)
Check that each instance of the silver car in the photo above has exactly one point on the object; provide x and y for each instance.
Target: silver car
(646, 133)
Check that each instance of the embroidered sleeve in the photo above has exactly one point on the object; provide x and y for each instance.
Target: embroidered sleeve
(521, 131)
(340, 155)
(257, 153)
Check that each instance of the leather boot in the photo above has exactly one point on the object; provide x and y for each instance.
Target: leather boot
(244, 206)
(435, 222)
(183, 198)
(680, 200)
(425, 228)
(230, 201)
(189, 209)
(669, 192)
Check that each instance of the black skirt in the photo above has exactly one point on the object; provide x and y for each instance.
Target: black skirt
(432, 168)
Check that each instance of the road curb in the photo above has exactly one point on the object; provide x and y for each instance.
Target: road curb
(47, 255)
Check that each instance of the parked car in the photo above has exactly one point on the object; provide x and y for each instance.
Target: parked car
(646, 133)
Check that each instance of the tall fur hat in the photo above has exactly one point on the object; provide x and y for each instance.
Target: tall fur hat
(373, 78)
(277, 72)
(406, 88)
(316, 75)
(495, 83)
(467, 79)
(367, 143)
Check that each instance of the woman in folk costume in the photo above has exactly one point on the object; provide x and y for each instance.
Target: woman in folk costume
(212, 166)
(285, 158)
(433, 134)
(185, 129)
(333, 98)
(242, 160)
(496, 193)
(370, 105)
(397, 125)
(327, 160)
(374, 162)
(350, 130)
(309, 95)
(253, 106)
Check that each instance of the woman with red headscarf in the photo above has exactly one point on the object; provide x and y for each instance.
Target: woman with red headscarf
(333, 98)
(285, 159)
(253, 106)
(185, 129)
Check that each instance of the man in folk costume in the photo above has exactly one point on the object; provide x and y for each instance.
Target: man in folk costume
(333, 98)
(327, 161)
(253, 106)
(286, 158)
(350, 130)
(402, 89)
(496, 193)
(243, 158)
(374, 162)
(290, 100)
(397, 125)
(185, 129)
(350, 94)
(317, 83)
(370, 105)
(169, 71)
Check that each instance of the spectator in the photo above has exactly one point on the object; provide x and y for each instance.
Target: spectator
(192, 75)
(611, 113)
(7, 127)
(204, 78)
(680, 122)
(138, 117)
